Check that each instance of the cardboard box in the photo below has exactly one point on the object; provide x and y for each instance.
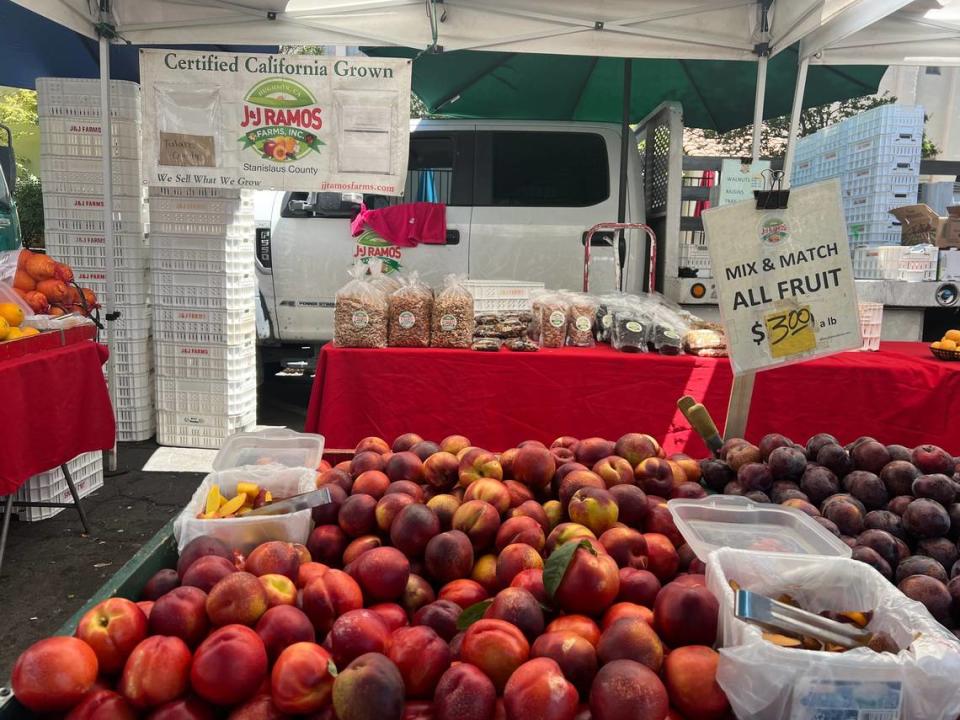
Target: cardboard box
(949, 265)
(921, 224)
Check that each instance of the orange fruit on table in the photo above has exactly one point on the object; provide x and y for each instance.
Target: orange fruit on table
(12, 313)
(948, 345)
(4, 329)
(952, 335)
(14, 333)
(29, 332)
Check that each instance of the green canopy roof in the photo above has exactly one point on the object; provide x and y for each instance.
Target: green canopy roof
(715, 94)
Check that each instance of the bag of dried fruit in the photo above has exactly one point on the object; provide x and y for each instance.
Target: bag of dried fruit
(410, 311)
(452, 322)
(360, 313)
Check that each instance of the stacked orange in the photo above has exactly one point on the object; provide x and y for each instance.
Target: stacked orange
(47, 286)
(950, 341)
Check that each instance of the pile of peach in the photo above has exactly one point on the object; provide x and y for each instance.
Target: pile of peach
(443, 582)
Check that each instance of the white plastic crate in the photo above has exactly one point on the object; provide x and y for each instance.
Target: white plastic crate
(901, 122)
(136, 424)
(194, 326)
(236, 243)
(871, 324)
(203, 431)
(195, 208)
(806, 171)
(243, 227)
(833, 136)
(132, 287)
(205, 362)
(212, 296)
(235, 396)
(130, 329)
(876, 207)
(209, 260)
(882, 151)
(89, 250)
(67, 211)
(51, 486)
(84, 176)
(879, 179)
(877, 232)
(918, 263)
(133, 382)
(877, 262)
(501, 295)
(83, 138)
(80, 98)
(137, 397)
(136, 361)
(832, 163)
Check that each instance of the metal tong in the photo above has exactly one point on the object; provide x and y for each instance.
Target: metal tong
(780, 617)
(304, 501)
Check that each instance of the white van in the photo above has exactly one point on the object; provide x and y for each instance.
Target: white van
(519, 195)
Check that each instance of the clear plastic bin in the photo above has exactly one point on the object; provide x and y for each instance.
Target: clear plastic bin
(179, 429)
(80, 98)
(236, 396)
(284, 447)
(736, 522)
(170, 326)
(204, 362)
(84, 176)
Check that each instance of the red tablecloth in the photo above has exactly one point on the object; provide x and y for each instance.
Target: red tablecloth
(900, 394)
(55, 406)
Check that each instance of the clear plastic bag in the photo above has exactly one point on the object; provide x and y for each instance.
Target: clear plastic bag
(360, 314)
(384, 282)
(411, 309)
(245, 533)
(553, 321)
(629, 331)
(764, 681)
(581, 319)
(453, 322)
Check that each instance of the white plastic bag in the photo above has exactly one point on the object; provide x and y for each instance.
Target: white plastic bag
(245, 533)
(764, 681)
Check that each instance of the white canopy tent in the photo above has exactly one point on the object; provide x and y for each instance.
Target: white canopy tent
(745, 30)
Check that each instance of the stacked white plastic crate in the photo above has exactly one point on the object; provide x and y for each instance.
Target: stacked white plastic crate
(876, 155)
(73, 197)
(201, 246)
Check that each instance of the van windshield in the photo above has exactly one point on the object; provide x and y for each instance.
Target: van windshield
(6, 202)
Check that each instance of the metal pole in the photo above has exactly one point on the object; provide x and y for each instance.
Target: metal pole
(758, 105)
(795, 120)
(621, 249)
(106, 137)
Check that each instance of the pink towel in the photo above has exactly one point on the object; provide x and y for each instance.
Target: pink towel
(405, 225)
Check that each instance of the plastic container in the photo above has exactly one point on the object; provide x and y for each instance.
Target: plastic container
(243, 226)
(898, 122)
(84, 138)
(734, 521)
(282, 447)
(203, 292)
(918, 263)
(197, 192)
(208, 260)
(876, 207)
(491, 296)
(806, 171)
(89, 249)
(204, 327)
(205, 362)
(877, 232)
(764, 681)
(245, 533)
(881, 179)
(193, 207)
(882, 151)
(871, 324)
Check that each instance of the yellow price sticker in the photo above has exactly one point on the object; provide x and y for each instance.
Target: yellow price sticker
(790, 332)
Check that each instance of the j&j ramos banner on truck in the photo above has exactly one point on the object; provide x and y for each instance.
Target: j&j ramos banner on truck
(275, 122)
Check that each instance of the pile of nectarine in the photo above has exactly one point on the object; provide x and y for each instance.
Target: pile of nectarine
(442, 582)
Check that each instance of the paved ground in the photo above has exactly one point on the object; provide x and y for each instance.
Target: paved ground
(51, 567)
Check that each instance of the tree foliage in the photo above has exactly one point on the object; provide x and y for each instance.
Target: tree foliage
(19, 108)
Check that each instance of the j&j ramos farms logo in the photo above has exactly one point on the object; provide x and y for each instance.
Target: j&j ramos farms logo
(281, 118)
(774, 230)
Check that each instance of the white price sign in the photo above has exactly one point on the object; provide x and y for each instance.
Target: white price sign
(738, 180)
(784, 278)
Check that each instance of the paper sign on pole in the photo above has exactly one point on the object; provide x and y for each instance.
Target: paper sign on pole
(784, 279)
(275, 122)
(738, 180)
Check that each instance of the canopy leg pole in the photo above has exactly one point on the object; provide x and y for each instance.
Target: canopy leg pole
(106, 138)
(795, 120)
(758, 105)
(620, 251)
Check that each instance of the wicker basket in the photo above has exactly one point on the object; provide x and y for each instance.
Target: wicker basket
(945, 354)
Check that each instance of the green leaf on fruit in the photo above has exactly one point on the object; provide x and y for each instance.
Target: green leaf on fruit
(332, 668)
(473, 613)
(558, 562)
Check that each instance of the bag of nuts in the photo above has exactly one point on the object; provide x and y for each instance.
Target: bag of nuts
(581, 317)
(360, 313)
(452, 322)
(410, 309)
(553, 320)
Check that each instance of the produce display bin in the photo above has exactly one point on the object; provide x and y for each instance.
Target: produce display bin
(157, 553)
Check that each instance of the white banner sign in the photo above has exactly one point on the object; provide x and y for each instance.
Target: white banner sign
(275, 122)
(784, 278)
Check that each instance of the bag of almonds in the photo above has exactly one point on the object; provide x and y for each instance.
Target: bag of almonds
(553, 320)
(452, 323)
(581, 319)
(410, 309)
(360, 313)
